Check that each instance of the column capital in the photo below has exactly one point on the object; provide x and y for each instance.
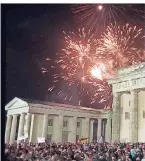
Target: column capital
(45, 115)
(91, 120)
(109, 119)
(29, 113)
(23, 113)
(74, 118)
(9, 115)
(87, 118)
(133, 91)
(117, 94)
(15, 115)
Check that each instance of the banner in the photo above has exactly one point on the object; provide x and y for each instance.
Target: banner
(23, 137)
(41, 139)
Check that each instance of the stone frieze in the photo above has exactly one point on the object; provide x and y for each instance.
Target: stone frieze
(129, 85)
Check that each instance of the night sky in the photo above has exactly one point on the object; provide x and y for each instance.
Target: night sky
(33, 32)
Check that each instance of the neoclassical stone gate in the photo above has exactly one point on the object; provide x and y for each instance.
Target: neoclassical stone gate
(130, 80)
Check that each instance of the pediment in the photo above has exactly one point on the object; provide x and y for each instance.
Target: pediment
(16, 103)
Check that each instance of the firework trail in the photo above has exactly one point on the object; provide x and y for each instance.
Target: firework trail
(74, 63)
(98, 16)
(87, 62)
(121, 45)
(102, 94)
(76, 57)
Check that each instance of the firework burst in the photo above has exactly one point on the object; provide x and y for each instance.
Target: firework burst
(102, 91)
(86, 62)
(76, 57)
(121, 45)
(98, 16)
(75, 61)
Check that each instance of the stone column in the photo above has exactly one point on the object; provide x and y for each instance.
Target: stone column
(99, 131)
(13, 129)
(28, 123)
(21, 125)
(57, 129)
(116, 118)
(8, 128)
(108, 131)
(85, 127)
(32, 129)
(133, 132)
(72, 129)
(45, 126)
(91, 130)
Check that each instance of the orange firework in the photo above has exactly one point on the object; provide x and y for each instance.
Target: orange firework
(86, 63)
(123, 45)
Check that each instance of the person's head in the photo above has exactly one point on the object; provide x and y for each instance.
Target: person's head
(6, 150)
(122, 157)
(131, 146)
(107, 154)
(135, 147)
(101, 156)
(137, 159)
(113, 158)
(127, 156)
(119, 151)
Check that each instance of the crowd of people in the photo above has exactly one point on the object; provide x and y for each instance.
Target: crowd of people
(75, 152)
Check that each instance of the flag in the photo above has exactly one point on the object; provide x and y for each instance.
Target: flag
(84, 140)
